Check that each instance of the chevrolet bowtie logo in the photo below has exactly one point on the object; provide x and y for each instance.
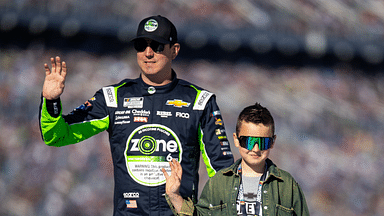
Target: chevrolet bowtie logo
(178, 103)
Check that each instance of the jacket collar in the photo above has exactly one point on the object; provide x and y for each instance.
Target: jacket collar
(274, 172)
(231, 170)
(146, 89)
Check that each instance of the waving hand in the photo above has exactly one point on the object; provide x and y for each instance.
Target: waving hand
(54, 79)
(173, 183)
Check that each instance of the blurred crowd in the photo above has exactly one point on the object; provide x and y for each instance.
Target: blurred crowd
(328, 123)
(343, 18)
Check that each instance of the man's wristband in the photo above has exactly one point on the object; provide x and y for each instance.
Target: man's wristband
(53, 107)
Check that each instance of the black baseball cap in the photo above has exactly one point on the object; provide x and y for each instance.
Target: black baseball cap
(157, 28)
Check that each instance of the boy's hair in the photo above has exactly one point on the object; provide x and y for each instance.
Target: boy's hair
(255, 114)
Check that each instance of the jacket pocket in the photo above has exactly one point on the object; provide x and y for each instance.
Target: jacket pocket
(218, 209)
(284, 211)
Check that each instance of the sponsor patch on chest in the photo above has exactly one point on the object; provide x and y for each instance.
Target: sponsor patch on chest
(134, 102)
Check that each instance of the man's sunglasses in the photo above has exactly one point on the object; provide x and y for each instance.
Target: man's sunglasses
(141, 44)
(249, 142)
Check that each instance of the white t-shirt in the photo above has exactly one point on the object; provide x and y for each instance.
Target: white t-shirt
(250, 186)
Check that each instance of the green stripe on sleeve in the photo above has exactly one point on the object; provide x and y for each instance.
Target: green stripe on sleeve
(197, 95)
(56, 132)
(211, 171)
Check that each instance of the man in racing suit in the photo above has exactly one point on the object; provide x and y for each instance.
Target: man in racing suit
(150, 120)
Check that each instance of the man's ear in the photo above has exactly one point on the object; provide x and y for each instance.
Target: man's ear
(175, 50)
(235, 140)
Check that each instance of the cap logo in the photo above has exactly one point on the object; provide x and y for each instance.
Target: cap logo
(151, 25)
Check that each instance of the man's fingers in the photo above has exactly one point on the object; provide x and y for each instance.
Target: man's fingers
(47, 71)
(58, 65)
(53, 65)
(64, 70)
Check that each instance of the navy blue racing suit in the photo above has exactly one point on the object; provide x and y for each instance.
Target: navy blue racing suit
(147, 126)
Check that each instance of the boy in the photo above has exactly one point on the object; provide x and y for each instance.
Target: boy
(251, 186)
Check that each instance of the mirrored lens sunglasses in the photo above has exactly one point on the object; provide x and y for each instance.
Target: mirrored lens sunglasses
(249, 142)
(141, 44)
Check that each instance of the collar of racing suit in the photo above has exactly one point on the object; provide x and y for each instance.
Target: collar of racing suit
(149, 90)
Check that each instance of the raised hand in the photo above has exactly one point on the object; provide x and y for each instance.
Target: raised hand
(54, 79)
(174, 180)
(173, 184)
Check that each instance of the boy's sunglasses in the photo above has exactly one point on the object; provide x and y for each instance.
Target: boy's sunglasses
(249, 142)
(141, 44)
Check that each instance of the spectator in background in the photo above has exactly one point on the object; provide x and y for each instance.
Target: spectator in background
(150, 120)
(252, 186)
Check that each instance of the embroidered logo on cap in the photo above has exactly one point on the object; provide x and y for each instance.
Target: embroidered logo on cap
(151, 25)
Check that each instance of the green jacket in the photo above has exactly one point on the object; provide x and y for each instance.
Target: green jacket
(281, 194)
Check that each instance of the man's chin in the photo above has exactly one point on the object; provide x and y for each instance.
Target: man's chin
(150, 72)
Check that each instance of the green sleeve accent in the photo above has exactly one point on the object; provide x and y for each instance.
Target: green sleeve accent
(198, 93)
(211, 172)
(116, 88)
(56, 132)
